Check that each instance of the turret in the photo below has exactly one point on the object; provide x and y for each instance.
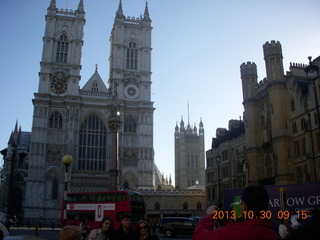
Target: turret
(52, 9)
(146, 16)
(201, 129)
(249, 80)
(273, 60)
(80, 7)
(119, 14)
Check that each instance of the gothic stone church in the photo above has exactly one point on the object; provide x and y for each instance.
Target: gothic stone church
(71, 120)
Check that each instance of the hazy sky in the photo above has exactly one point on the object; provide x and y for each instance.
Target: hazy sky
(198, 47)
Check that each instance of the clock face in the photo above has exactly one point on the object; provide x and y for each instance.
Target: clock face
(59, 83)
(131, 91)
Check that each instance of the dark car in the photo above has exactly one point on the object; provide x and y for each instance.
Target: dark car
(172, 226)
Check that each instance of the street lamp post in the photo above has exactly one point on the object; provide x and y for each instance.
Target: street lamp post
(218, 157)
(67, 160)
(312, 72)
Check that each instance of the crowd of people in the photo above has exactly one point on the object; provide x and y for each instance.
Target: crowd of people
(106, 231)
(255, 199)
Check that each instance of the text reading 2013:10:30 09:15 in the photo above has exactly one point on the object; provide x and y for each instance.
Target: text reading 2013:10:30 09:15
(216, 215)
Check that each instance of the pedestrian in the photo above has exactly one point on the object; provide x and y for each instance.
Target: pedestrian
(70, 232)
(125, 231)
(255, 200)
(103, 231)
(285, 227)
(29, 223)
(144, 231)
(4, 230)
(84, 228)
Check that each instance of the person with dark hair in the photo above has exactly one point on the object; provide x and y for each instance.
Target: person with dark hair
(253, 226)
(70, 232)
(104, 230)
(125, 231)
(144, 231)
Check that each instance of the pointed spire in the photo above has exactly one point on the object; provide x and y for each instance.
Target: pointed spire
(96, 67)
(146, 15)
(53, 4)
(16, 127)
(81, 7)
(119, 13)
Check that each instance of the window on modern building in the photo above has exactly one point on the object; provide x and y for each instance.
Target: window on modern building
(294, 127)
(303, 124)
(130, 125)
(296, 149)
(92, 145)
(299, 175)
(62, 49)
(293, 106)
(304, 146)
(132, 56)
(55, 121)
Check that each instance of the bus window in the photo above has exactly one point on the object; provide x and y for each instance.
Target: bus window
(92, 198)
(121, 197)
(80, 216)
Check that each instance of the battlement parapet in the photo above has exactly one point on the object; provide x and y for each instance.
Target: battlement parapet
(262, 83)
(297, 65)
(272, 48)
(249, 68)
(66, 12)
(170, 192)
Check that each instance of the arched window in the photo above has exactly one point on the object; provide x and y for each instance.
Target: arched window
(199, 206)
(62, 49)
(55, 121)
(185, 206)
(157, 206)
(132, 56)
(54, 189)
(92, 145)
(130, 125)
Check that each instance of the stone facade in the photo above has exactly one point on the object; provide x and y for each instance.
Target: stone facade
(173, 203)
(280, 143)
(71, 120)
(189, 155)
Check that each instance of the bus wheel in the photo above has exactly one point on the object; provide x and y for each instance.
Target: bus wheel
(168, 233)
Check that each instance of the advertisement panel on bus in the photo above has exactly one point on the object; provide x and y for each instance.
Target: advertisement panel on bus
(93, 206)
(293, 199)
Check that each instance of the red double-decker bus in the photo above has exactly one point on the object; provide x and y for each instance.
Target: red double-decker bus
(93, 206)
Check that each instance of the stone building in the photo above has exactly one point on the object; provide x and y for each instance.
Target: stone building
(174, 203)
(281, 142)
(71, 120)
(189, 155)
(227, 160)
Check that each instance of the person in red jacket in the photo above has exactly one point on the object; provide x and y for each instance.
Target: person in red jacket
(254, 202)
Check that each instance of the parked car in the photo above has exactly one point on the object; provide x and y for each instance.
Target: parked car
(172, 226)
